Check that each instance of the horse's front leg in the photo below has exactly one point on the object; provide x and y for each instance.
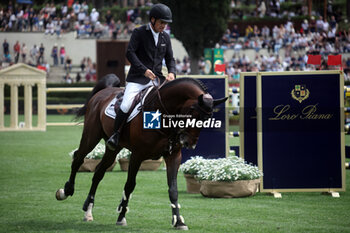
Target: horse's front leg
(107, 160)
(68, 190)
(172, 164)
(88, 141)
(134, 165)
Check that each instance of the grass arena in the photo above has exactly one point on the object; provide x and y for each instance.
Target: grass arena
(34, 164)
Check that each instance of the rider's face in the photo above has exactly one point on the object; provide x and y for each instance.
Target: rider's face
(159, 26)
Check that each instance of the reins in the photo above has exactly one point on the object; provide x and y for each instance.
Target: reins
(157, 87)
(172, 136)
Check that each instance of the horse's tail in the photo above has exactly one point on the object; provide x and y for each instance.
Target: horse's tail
(110, 80)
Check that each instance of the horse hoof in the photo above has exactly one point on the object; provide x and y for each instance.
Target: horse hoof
(88, 214)
(122, 222)
(60, 196)
(181, 227)
(88, 218)
(69, 189)
(179, 224)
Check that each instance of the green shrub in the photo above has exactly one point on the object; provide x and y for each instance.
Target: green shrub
(291, 6)
(120, 13)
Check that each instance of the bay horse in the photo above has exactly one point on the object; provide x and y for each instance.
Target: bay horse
(181, 96)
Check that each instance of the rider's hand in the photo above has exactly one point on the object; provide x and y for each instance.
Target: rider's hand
(149, 74)
(170, 77)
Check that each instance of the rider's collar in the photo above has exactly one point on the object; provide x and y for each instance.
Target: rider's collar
(155, 34)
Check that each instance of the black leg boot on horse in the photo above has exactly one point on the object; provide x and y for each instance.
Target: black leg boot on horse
(113, 141)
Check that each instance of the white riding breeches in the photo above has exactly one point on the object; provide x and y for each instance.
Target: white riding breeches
(131, 90)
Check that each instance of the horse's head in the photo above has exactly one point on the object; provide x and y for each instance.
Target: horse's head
(200, 111)
(189, 98)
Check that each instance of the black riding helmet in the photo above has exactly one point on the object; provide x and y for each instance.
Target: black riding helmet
(162, 12)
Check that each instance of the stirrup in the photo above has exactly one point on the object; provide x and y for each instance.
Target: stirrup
(113, 141)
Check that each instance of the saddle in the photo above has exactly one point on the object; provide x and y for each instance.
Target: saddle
(136, 105)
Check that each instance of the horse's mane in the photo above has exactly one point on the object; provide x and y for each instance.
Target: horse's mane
(196, 82)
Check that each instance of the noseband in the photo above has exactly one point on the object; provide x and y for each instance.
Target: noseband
(203, 113)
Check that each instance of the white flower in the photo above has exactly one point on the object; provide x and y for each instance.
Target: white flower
(96, 153)
(124, 154)
(223, 169)
(193, 165)
(99, 151)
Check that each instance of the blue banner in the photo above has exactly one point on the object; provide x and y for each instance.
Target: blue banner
(300, 118)
(248, 124)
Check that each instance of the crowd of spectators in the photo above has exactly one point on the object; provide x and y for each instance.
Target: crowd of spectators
(24, 18)
(274, 9)
(86, 71)
(35, 56)
(21, 53)
(315, 37)
(57, 20)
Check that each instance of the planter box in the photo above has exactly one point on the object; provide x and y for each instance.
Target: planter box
(89, 165)
(239, 188)
(147, 165)
(192, 185)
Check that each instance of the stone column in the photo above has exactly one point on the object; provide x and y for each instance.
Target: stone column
(42, 105)
(14, 106)
(28, 108)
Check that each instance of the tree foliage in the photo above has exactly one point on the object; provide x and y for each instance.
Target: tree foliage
(198, 24)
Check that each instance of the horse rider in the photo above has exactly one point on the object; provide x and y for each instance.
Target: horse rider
(147, 48)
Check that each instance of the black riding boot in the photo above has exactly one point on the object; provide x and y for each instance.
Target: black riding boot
(113, 141)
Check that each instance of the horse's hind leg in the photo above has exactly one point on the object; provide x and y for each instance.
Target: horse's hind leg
(107, 160)
(88, 142)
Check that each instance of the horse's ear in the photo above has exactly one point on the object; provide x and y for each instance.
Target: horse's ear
(200, 100)
(205, 100)
(219, 101)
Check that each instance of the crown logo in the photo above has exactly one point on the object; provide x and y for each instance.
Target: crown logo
(300, 93)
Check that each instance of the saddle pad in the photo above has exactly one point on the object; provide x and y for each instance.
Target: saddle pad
(110, 112)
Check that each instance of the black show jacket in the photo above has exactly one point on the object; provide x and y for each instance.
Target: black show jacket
(143, 54)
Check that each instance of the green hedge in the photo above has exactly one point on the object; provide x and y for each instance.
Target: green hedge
(69, 95)
(290, 6)
(246, 9)
(120, 13)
